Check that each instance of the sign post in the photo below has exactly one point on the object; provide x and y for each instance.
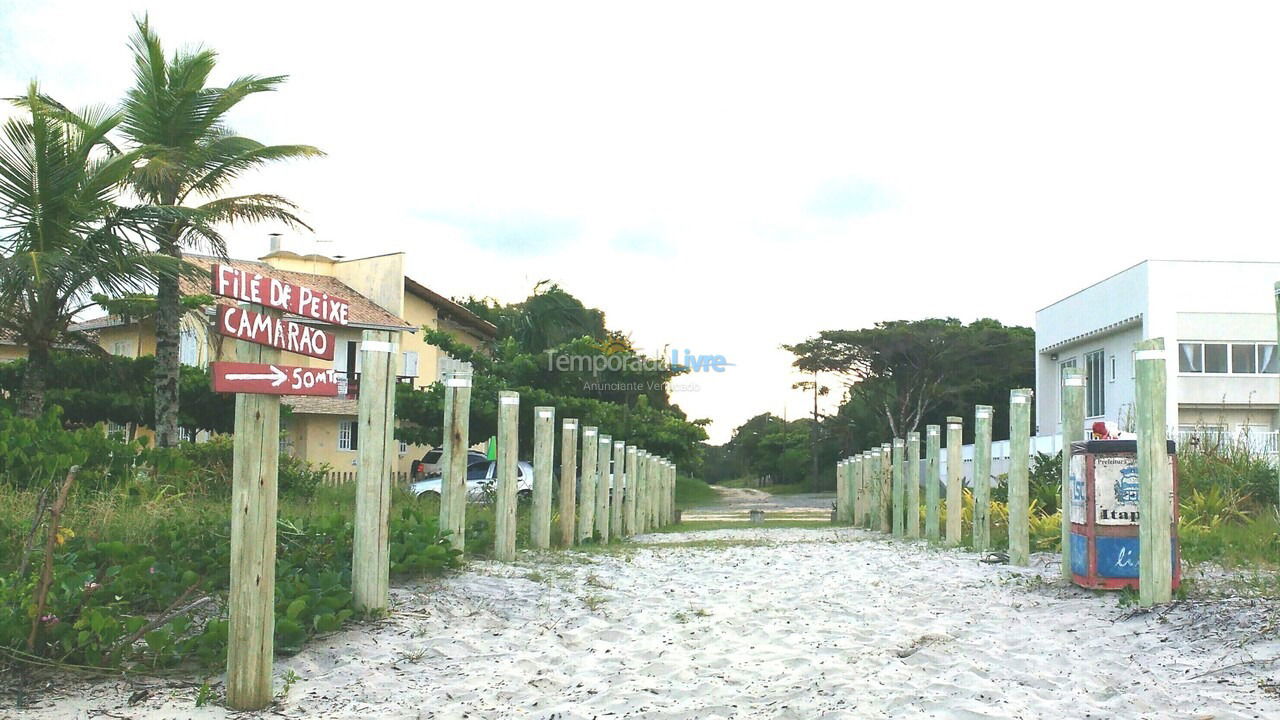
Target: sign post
(252, 614)
(258, 379)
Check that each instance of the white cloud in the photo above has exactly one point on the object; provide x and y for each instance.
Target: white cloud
(1019, 150)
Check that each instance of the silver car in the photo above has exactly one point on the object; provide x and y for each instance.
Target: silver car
(481, 481)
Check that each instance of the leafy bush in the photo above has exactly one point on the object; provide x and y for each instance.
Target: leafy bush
(34, 451)
(1251, 477)
(105, 591)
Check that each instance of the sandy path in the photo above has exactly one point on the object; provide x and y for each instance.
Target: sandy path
(736, 503)
(778, 623)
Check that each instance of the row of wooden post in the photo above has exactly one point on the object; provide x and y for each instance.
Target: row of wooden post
(639, 497)
(879, 488)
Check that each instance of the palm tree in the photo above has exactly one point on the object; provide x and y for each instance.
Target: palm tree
(63, 237)
(190, 157)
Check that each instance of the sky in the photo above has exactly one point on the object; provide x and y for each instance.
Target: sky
(729, 177)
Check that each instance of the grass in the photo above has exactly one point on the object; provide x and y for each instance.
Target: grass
(692, 492)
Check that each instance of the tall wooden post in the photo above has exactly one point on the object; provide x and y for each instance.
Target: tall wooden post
(874, 477)
(251, 600)
(616, 492)
(568, 479)
(376, 405)
(642, 490)
(544, 418)
(504, 541)
(1073, 387)
(632, 489)
(865, 490)
(982, 478)
(841, 491)
(912, 476)
(603, 473)
(955, 479)
(899, 487)
(1019, 476)
(1155, 479)
(933, 448)
(587, 485)
(855, 487)
(886, 487)
(453, 485)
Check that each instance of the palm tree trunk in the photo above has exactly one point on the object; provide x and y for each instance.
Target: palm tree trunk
(34, 377)
(167, 319)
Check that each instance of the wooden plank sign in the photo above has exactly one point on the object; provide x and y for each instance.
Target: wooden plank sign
(271, 379)
(275, 332)
(274, 293)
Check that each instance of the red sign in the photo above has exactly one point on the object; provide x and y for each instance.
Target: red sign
(263, 290)
(274, 332)
(264, 379)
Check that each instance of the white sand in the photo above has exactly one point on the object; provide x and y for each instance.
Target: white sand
(785, 623)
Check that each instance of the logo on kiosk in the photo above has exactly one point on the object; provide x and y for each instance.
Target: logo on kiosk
(1126, 488)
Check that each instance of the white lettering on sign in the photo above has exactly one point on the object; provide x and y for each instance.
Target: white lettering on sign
(253, 287)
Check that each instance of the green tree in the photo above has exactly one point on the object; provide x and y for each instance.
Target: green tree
(190, 159)
(903, 374)
(64, 236)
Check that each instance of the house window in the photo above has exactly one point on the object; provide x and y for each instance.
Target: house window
(187, 347)
(186, 434)
(409, 363)
(404, 448)
(1268, 362)
(348, 435)
(122, 348)
(1113, 368)
(1233, 358)
(1095, 388)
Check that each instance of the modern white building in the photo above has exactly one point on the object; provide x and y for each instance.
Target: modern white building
(1218, 321)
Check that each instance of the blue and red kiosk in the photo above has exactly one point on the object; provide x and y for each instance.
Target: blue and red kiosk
(1104, 514)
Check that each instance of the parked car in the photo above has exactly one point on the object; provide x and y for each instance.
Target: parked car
(430, 463)
(481, 481)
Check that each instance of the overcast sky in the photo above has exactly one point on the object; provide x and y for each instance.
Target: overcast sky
(729, 177)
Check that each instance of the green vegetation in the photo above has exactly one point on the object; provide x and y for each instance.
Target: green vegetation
(692, 492)
(554, 351)
(137, 566)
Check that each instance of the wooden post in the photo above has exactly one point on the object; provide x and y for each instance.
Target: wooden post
(544, 418)
(864, 490)
(933, 447)
(955, 479)
(587, 484)
(604, 472)
(632, 489)
(851, 487)
(899, 487)
(504, 526)
(840, 490)
(642, 490)
(1073, 386)
(1019, 476)
(673, 474)
(251, 612)
(376, 404)
(616, 492)
(913, 485)
(886, 482)
(982, 478)
(568, 479)
(874, 478)
(453, 484)
(1155, 480)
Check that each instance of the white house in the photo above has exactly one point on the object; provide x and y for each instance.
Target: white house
(1218, 321)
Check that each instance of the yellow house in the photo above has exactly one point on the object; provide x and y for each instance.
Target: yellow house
(11, 348)
(382, 297)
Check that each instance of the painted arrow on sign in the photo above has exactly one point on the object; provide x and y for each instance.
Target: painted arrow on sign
(238, 377)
